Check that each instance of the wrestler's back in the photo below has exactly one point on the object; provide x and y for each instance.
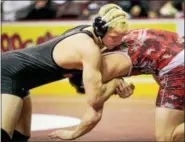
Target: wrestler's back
(150, 50)
(34, 67)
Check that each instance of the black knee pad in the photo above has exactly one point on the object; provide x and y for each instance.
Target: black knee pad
(4, 136)
(18, 137)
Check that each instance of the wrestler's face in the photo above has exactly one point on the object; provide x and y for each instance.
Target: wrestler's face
(112, 39)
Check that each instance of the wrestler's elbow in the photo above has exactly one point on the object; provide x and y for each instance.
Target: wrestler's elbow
(94, 94)
(95, 101)
(97, 105)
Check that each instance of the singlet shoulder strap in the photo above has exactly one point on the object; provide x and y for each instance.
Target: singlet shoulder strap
(86, 31)
(78, 29)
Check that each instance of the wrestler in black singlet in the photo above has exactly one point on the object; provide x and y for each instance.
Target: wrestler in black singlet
(25, 69)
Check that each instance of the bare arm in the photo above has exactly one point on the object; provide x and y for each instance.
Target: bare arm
(111, 68)
(114, 65)
(88, 122)
(96, 91)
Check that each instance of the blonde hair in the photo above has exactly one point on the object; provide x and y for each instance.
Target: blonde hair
(115, 17)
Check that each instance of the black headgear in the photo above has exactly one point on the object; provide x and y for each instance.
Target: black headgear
(100, 27)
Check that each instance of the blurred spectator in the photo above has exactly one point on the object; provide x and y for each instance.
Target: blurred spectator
(14, 10)
(167, 10)
(154, 7)
(43, 9)
(152, 14)
(70, 9)
(91, 9)
(87, 9)
(181, 10)
(136, 8)
(173, 9)
(1, 10)
(177, 4)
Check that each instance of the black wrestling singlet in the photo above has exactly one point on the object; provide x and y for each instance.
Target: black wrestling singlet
(28, 68)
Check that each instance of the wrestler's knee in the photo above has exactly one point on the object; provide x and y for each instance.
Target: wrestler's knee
(11, 109)
(167, 124)
(24, 123)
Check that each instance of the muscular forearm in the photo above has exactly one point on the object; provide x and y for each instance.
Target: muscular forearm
(84, 128)
(108, 90)
(88, 122)
(96, 91)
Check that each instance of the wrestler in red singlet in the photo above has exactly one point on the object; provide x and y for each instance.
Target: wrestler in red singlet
(161, 53)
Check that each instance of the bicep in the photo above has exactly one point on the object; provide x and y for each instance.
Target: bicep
(92, 78)
(114, 65)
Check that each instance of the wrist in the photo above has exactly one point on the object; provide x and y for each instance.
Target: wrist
(116, 82)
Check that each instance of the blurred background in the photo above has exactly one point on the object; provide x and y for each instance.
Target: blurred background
(87, 9)
(30, 22)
